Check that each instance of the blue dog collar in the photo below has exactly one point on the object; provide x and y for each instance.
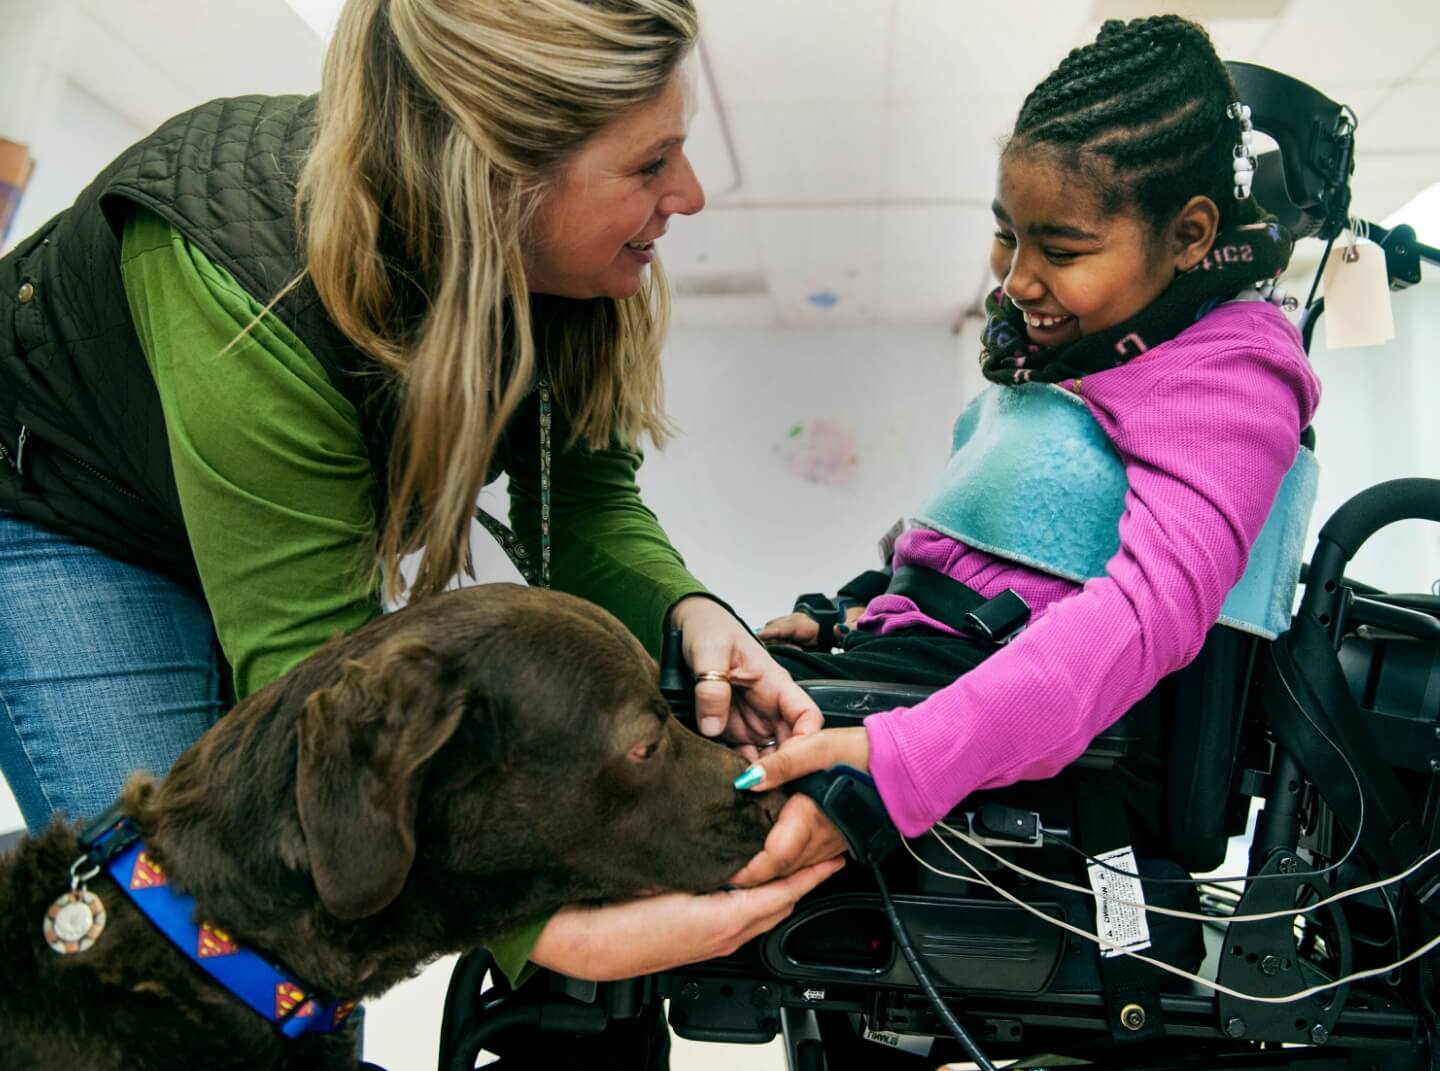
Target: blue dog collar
(272, 993)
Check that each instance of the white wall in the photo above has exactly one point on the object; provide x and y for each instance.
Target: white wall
(68, 153)
(33, 61)
(9, 810)
(1378, 421)
(753, 528)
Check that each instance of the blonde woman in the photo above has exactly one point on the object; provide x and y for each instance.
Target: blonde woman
(281, 339)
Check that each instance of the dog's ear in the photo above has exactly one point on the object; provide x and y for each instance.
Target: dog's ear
(364, 743)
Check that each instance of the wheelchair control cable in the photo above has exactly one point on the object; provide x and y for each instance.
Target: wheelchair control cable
(1290, 998)
(1170, 911)
(1344, 857)
(850, 800)
(1382, 885)
(1424, 950)
(922, 975)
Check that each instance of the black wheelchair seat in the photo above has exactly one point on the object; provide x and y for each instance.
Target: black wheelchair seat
(1335, 728)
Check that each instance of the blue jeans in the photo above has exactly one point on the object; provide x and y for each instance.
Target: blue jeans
(105, 667)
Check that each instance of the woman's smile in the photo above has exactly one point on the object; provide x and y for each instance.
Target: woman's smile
(643, 249)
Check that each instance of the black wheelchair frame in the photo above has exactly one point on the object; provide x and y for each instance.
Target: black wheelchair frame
(1334, 728)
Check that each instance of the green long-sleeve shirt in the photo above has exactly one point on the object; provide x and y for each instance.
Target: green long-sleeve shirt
(275, 482)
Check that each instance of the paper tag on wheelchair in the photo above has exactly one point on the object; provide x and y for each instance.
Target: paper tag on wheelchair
(1357, 297)
(887, 541)
(1119, 917)
(911, 1043)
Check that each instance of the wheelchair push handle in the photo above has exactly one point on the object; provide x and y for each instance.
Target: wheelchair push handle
(1351, 525)
(1375, 507)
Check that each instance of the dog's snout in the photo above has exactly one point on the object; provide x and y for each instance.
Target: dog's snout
(770, 806)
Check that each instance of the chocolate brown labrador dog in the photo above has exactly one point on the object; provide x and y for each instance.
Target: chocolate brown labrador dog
(419, 787)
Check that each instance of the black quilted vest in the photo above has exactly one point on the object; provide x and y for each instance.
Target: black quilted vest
(80, 421)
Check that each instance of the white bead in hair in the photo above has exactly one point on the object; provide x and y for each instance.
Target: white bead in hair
(1272, 292)
(1244, 150)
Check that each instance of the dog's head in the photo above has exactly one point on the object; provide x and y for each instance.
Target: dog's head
(507, 735)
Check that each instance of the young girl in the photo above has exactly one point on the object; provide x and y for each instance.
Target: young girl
(1148, 406)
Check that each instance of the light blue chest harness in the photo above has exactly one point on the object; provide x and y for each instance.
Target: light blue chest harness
(1035, 480)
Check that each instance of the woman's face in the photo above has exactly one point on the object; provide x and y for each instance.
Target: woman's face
(596, 228)
(1071, 268)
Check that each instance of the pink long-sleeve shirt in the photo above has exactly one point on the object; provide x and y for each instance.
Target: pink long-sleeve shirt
(1206, 425)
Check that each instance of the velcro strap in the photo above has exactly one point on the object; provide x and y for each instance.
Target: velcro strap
(1128, 983)
(850, 800)
(821, 609)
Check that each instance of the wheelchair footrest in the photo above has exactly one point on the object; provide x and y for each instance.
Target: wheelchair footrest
(741, 1011)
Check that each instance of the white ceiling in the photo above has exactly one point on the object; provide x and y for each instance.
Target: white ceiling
(848, 146)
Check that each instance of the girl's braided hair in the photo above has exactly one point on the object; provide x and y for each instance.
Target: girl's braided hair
(1148, 97)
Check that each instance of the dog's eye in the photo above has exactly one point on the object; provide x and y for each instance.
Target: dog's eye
(644, 752)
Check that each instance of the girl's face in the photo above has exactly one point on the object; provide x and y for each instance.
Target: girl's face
(1072, 268)
(596, 227)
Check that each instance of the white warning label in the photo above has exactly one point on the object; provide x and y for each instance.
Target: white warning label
(1119, 921)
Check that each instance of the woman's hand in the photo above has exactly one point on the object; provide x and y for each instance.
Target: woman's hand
(751, 700)
(656, 933)
(802, 835)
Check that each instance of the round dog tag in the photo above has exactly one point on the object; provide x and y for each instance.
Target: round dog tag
(74, 922)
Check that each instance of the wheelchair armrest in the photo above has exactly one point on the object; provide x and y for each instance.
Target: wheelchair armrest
(848, 703)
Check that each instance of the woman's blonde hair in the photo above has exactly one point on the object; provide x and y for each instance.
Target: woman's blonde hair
(440, 124)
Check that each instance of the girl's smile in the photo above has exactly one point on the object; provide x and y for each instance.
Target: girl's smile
(1048, 330)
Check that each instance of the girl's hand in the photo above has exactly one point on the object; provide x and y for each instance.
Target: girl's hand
(802, 630)
(656, 933)
(751, 699)
(802, 835)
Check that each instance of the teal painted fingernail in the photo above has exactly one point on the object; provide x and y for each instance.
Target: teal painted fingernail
(750, 778)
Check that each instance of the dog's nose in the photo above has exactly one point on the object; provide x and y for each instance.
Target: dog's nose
(770, 805)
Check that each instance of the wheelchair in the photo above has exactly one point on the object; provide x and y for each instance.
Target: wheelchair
(1323, 959)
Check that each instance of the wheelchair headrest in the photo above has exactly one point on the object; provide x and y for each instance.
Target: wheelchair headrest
(1306, 182)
